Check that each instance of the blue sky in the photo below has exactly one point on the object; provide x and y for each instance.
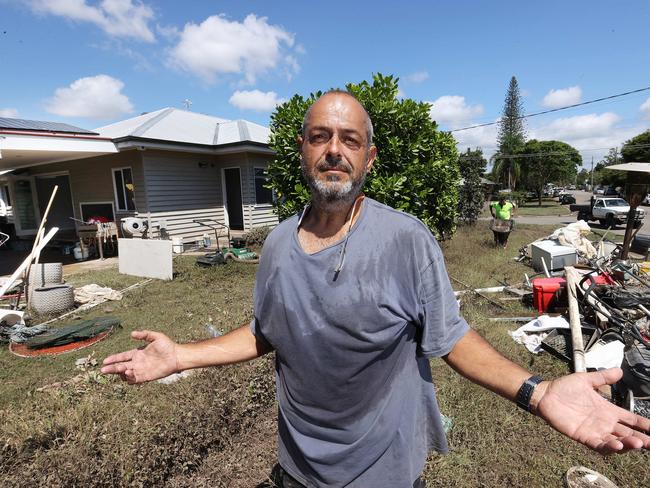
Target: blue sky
(90, 63)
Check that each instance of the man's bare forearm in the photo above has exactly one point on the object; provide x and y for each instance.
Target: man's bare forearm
(478, 361)
(235, 347)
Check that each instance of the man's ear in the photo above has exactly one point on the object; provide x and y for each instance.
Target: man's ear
(299, 141)
(372, 154)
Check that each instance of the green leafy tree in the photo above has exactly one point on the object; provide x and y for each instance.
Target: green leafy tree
(511, 137)
(584, 177)
(547, 161)
(417, 165)
(637, 149)
(471, 197)
(604, 176)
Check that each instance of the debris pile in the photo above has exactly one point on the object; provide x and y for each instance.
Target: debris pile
(593, 310)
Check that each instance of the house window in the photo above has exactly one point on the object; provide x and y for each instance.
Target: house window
(262, 193)
(5, 195)
(124, 189)
(93, 210)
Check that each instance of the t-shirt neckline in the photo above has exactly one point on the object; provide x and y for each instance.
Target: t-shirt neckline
(362, 213)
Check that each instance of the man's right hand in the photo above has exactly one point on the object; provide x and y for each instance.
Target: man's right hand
(156, 360)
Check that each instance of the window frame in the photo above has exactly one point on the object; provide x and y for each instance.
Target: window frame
(81, 209)
(116, 206)
(255, 178)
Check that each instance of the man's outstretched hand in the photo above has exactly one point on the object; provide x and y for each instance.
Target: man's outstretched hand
(156, 360)
(572, 406)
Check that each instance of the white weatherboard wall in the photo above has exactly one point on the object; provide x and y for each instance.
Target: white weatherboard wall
(181, 188)
(149, 258)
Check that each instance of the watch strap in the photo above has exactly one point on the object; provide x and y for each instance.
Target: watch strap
(525, 393)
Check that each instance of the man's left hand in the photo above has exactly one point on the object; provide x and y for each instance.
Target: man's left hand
(572, 406)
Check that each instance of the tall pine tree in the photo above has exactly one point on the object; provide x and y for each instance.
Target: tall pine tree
(511, 137)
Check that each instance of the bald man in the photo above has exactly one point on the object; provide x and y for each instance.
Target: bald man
(353, 297)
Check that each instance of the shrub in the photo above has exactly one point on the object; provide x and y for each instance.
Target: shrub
(516, 197)
(471, 196)
(257, 236)
(416, 169)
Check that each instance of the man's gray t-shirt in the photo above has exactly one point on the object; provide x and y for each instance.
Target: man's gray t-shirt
(357, 405)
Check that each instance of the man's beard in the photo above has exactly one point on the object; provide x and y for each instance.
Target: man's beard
(333, 193)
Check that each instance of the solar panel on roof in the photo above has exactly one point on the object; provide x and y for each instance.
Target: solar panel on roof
(40, 126)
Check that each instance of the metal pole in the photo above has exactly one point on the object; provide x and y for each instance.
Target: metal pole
(592, 174)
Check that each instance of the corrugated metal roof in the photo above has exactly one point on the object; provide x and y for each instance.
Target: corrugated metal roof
(175, 125)
(41, 126)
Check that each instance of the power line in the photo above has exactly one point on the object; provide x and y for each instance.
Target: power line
(557, 109)
(550, 153)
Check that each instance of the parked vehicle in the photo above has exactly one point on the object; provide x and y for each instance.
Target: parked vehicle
(572, 187)
(608, 211)
(610, 191)
(566, 198)
(599, 190)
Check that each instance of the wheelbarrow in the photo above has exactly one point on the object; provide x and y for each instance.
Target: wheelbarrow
(502, 229)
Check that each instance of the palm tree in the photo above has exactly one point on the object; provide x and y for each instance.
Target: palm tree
(506, 169)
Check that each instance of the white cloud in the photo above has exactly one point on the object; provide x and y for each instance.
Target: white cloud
(645, 108)
(219, 46)
(562, 97)
(119, 18)
(482, 137)
(255, 100)
(417, 77)
(12, 113)
(577, 127)
(95, 97)
(591, 134)
(400, 93)
(452, 110)
(169, 32)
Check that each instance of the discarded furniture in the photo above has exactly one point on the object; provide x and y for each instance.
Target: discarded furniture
(98, 237)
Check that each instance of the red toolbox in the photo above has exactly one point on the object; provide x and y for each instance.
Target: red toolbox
(548, 293)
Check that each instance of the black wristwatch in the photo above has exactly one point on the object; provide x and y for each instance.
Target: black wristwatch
(526, 392)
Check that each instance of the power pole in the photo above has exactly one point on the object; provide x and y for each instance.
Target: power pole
(592, 174)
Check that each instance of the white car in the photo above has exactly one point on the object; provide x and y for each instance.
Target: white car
(613, 211)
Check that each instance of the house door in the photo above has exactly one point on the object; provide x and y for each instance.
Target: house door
(233, 198)
(25, 205)
(61, 209)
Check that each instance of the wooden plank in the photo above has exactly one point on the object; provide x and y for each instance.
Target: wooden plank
(573, 280)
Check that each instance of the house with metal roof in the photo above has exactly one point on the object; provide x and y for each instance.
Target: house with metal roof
(172, 166)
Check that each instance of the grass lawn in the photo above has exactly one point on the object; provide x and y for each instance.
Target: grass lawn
(549, 206)
(217, 427)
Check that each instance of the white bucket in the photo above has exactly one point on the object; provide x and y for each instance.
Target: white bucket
(177, 245)
(79, 255)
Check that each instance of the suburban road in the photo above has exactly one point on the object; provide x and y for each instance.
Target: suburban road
(582, 197)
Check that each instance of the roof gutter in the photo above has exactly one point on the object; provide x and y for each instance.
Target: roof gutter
(143, 143)
(54, 134)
